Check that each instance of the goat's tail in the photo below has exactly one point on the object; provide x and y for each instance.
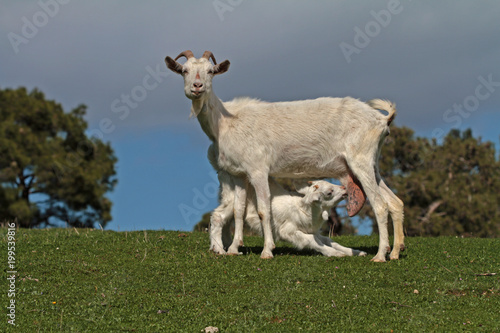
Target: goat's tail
(384, 105)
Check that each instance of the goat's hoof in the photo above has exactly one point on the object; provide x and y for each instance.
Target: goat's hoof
(218, 251)
(358, 253)
(266, 255)
(377, 259)
(402, 247)
(233, 252)
(394, 257)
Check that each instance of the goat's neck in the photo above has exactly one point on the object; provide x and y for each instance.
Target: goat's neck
(209, 111)
(317, 210)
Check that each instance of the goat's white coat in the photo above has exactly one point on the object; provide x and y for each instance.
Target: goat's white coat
(324, 137)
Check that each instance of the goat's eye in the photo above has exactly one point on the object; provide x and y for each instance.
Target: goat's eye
(210, 71)
(184, 71)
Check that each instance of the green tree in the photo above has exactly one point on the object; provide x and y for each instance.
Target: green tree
(50, 171)
(449, 188)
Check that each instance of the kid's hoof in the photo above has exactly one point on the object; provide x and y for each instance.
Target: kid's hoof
(358, 253)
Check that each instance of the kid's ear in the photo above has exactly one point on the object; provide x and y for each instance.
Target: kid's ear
(311, 197)
(302, 186)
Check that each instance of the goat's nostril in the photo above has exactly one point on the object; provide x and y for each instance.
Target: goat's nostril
(198, 85)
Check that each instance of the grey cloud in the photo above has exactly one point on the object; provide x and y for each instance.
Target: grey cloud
(428, 57)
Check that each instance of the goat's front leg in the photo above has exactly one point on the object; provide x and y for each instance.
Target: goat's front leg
(218, 222)
(219, 225)
(261, 185)
(240, 196)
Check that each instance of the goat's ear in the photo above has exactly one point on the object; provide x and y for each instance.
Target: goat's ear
(173, 65)
(311, 197)
(301, 186)
(222, 67)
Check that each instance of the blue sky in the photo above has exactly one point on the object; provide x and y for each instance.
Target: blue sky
(438, 61)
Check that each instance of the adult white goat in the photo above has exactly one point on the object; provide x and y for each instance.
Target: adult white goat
(326, 137)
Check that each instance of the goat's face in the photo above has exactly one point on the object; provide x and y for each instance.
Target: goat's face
(197, 73)
(326, 194)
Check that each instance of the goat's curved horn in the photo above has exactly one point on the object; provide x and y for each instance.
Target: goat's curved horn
(188, 54)
(207, 55)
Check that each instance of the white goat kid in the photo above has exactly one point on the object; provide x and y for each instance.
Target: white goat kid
(297, 219)
(322, 138)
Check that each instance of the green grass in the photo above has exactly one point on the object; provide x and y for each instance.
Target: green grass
(165, 281)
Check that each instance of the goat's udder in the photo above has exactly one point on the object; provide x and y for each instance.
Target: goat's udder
(356, 197)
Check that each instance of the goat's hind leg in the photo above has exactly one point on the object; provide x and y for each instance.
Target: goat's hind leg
(396, 209)
(368, 180)
(311, 241)
(347, 250)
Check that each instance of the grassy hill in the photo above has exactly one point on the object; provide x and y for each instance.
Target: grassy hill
(76, 280)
